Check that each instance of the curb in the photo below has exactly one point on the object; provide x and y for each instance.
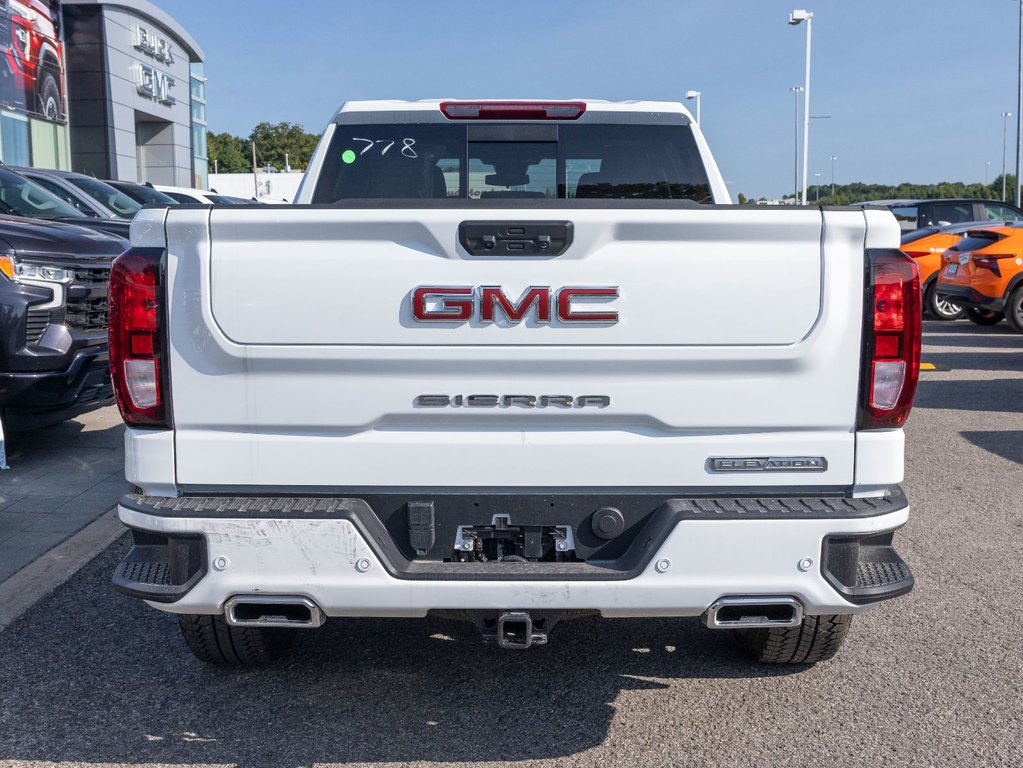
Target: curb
(44, 574)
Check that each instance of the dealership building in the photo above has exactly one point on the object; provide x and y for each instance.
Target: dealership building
(111, 88)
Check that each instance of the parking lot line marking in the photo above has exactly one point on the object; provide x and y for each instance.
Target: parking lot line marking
(40, 577)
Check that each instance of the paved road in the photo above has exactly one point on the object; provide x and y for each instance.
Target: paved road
(931, 679)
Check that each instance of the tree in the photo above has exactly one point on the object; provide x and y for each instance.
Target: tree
(857, 192)
(994, 189)
(229, 154)
(274, 141)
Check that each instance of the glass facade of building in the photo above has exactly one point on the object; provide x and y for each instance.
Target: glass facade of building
(200, 153)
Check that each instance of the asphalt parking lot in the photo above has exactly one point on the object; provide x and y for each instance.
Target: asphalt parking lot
(932, 679)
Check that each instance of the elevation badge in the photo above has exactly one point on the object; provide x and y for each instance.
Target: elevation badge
(767, 464)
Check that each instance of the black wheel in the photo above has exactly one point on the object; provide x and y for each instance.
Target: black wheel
(983, 317)
(941, 308)
(1014, 309)
(818, 638)
(215, 641)
(48, 95)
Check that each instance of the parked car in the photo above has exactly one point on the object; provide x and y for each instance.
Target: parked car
(20, 196)
(914, 214)
(87, 194)
(144, 194)
(189, 196)
(54, 353)
(984, 273)
(926, 247)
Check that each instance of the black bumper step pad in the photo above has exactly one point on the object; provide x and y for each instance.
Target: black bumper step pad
(865, 569)
(161, 568)
(874, 575)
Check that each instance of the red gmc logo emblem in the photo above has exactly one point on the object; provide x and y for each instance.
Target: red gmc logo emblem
(458, 304)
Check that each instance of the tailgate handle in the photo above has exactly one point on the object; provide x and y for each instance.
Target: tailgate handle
(515, 238)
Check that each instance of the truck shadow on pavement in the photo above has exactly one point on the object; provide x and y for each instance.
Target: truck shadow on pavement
(89, 676)
(1008, 445)
(977, 360)
(993, 395)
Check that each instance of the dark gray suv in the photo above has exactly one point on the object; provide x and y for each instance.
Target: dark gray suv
(914, 214)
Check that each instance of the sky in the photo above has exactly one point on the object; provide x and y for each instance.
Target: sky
(912, 90)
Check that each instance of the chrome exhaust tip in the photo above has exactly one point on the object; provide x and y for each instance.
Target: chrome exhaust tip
(273, 611)
(754, 612)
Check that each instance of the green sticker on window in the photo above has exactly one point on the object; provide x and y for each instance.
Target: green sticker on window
(348, 156)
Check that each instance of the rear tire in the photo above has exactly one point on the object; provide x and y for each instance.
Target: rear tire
(818, 638)
(1014, 309)
(939, 308)
(982, 317)
(213, 640)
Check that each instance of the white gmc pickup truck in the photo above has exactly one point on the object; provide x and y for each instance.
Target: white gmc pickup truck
(517, 362)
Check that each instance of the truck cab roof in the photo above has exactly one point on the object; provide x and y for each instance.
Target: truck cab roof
(402, 107)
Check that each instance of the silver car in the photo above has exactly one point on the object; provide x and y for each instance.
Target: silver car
(89, 195)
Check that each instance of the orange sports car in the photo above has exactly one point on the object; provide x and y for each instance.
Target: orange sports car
(983, 272)
(925, 246)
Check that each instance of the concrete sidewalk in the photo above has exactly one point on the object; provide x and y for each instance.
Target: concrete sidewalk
(61, 479)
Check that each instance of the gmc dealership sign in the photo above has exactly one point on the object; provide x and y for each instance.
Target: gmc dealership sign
(155, 85)
(487, 304)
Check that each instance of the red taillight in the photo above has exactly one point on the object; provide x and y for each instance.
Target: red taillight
(137, 360)
(990, 261)
(891, 337)
(512, 110)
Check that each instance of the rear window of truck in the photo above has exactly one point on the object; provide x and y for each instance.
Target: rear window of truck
(437, 160)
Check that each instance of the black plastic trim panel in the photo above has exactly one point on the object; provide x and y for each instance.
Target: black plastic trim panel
(608, 563)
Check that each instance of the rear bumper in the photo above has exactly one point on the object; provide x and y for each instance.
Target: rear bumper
(965, 296)
(832, 554)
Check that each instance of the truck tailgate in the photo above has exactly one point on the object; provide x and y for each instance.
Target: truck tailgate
(294, 343)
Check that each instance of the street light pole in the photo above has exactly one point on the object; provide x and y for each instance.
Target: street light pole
(833, 158)
(255, 170)
(795, 18)
(796, 90)
(817, 196)
(1019, 107)
(695, 95)
(1005, 123)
